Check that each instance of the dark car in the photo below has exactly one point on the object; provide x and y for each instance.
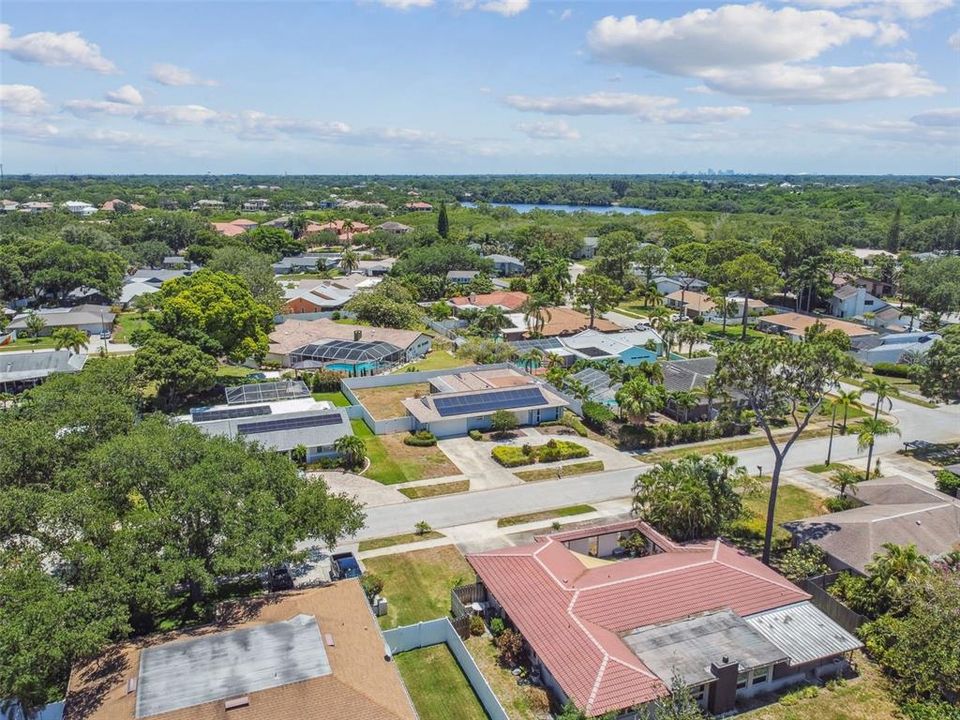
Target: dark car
(279, 578)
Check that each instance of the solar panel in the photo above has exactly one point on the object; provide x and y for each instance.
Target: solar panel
(539, 344)
(486, 402)
(227, 413)
(266, 392)
(592, 351)
(295, 423)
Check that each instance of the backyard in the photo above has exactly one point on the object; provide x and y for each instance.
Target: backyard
(384, 403)
(125, 324)
(337, 398)
(437, 685)
(392, 461)
(437, 360)
(417, 584)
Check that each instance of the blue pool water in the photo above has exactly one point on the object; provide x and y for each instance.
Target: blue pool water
(599, 209)
(368, 367)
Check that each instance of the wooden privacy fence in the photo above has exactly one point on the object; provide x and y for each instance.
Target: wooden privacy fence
(829, 605)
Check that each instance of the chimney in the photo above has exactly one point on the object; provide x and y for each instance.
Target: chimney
(357, 334)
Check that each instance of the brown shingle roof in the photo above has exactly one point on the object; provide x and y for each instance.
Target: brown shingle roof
(362, 685)
(294, 334)
(567, 321)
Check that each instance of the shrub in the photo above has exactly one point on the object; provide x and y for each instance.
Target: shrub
(510, 456)
(948, 483)
(325, 381)
(477, 627)
(597, 415)
(573, 422)
(372, 585)
(510, 645)
(422, 527)
(891, 370)
(838, 504)
(496, 627)
(475, 435)
(423, 438)
(803, 562)
(503, 421)
(806, 692)
(335, 315)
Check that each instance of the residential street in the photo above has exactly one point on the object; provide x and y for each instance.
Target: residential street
(914, 422)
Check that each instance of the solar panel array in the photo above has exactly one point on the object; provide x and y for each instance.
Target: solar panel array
(267, 392)
(544, 344)
(598, 383)
(486, 402)
(593, 351)
(228, 413)
(346, 350)
(295, 423)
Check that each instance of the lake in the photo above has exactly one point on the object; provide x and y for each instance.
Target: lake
(599, 209)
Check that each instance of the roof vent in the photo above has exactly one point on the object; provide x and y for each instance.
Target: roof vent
(131, 685)
(235, 703)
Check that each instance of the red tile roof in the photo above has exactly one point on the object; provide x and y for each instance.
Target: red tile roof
(512, 300)
(572, 616)
(229, 229)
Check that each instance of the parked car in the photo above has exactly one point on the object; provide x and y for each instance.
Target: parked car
(279, 578)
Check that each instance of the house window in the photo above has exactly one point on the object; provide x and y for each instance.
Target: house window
(699, 693)
(742, 679)
(760, 675)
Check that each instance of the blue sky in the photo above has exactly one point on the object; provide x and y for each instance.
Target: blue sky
(463, 86)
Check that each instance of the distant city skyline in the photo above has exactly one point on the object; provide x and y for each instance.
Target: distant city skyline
(481, 86)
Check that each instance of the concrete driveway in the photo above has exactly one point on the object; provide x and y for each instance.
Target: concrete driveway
(473, 459)
(367, 491)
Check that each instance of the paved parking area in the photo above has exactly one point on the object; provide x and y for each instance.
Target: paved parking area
(367, 491)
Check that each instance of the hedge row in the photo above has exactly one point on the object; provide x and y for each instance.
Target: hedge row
(515, 456)
(677, 434)
(891, 370)
(423, 438)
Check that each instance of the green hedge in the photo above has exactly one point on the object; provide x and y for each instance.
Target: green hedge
(424, 438)
(677, 433)
(475, 435)
(514, 456)
(948, 483)
(891, 370)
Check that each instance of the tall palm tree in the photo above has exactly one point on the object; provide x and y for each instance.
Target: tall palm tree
(492, 320)
(639, 398)
(352, 450)
(579, 390)
(844, 478)
(349, 260)
(669, 330)
(536, 313)
(649, 296)
(532, 359)
(297, 225)
(346, 230)
(883, 389)
(684, 401)
(868, 430)
(692, 334)
(71, 338)
(846, 400)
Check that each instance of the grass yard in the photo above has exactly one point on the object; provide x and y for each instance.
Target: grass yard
(385, 403)
(447, 488)
(392, 462)
(723, 446)
(522, 702)
(437, 360)
(866, 697)
(234, 371)
(793, 503)
(25, 343)
(125, 324)
(337, 398)
(901, 384)
(831, 468)
(417, 584)
(565, 471)
(437, 685)
(512, 520)
(734, 330)
(398, 540)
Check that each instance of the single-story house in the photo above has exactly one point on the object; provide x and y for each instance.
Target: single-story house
(394, 228)
(868, 254)
(667, 284)
(691, 375)
(256, 205)
(306, 262)
(894, 510)
(853, 301)
(630, 348)
(21, 371)
(314, 296)
(891, 348)
(506, 264)
(461, 277)
(361, 350)
(117, 204)
(602, 388)
(243, 666)
(34, 207)
(78, 207)
(157, 277)
(558, 321)
(92, 319)
(229, 229)
(208, 205)
(178, 262)
(134, 289)
(344, 229)
(456, 412)
(375, 268)
(610, 634)
(890, 318)
(588, 249)
(794, 325)
(696, 304)
(506, 301)
(418, 206)
(280, 416)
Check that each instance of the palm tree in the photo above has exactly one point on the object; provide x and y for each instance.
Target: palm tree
(492, 320)
(71, 338)
(902, 565)
(669, 331)
(844, 478)
(349, 261)
(685, 401)
(536, 313)
(352, 450)
(649, 296)
(692, 334)
(911, 312)
(723, 305)
(883, 390)
(639, 398)
(579, 390)
(846, 400)
(297, 225)
(869, 429)
(346, 230)
(651, 371)
(532, 359)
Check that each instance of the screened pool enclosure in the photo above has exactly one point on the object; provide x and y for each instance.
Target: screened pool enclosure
(353, 357)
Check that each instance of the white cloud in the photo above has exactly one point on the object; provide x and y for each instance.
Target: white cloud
(808, 84)
(67, 49)
(907, 9)
(406, 4)
(945, 117)
(83, 108)
(252, 123)
(600, 103)
(566, 14)
(126, 94)
(954, 40)
(22, 100)
(167, 74)
(651, 108)
(507, 8)
(156, 114)
(731, 36)
(549, 130)
(29, 130)
(899, 131)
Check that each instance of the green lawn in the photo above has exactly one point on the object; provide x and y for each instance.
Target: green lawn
(831, 468)
(398, 540)
(337, 398)
(437, 360)
(734, 330)
(382, 467)
(392, 462)
(234, 371)
(42, 343)
(724, 446)
(583, 468)
(793, 503)
(545, 515)
(437, 685)
(125, 324)
(417, 584)
(447, 488)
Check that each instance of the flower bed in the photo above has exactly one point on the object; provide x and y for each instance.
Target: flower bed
(515, 456)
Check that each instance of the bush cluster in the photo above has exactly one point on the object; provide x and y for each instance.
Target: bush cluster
(679, 433)
(597, 415)
(512, 456)
(891, 370)
(423, 438)
(948, 483)
(475, 435)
